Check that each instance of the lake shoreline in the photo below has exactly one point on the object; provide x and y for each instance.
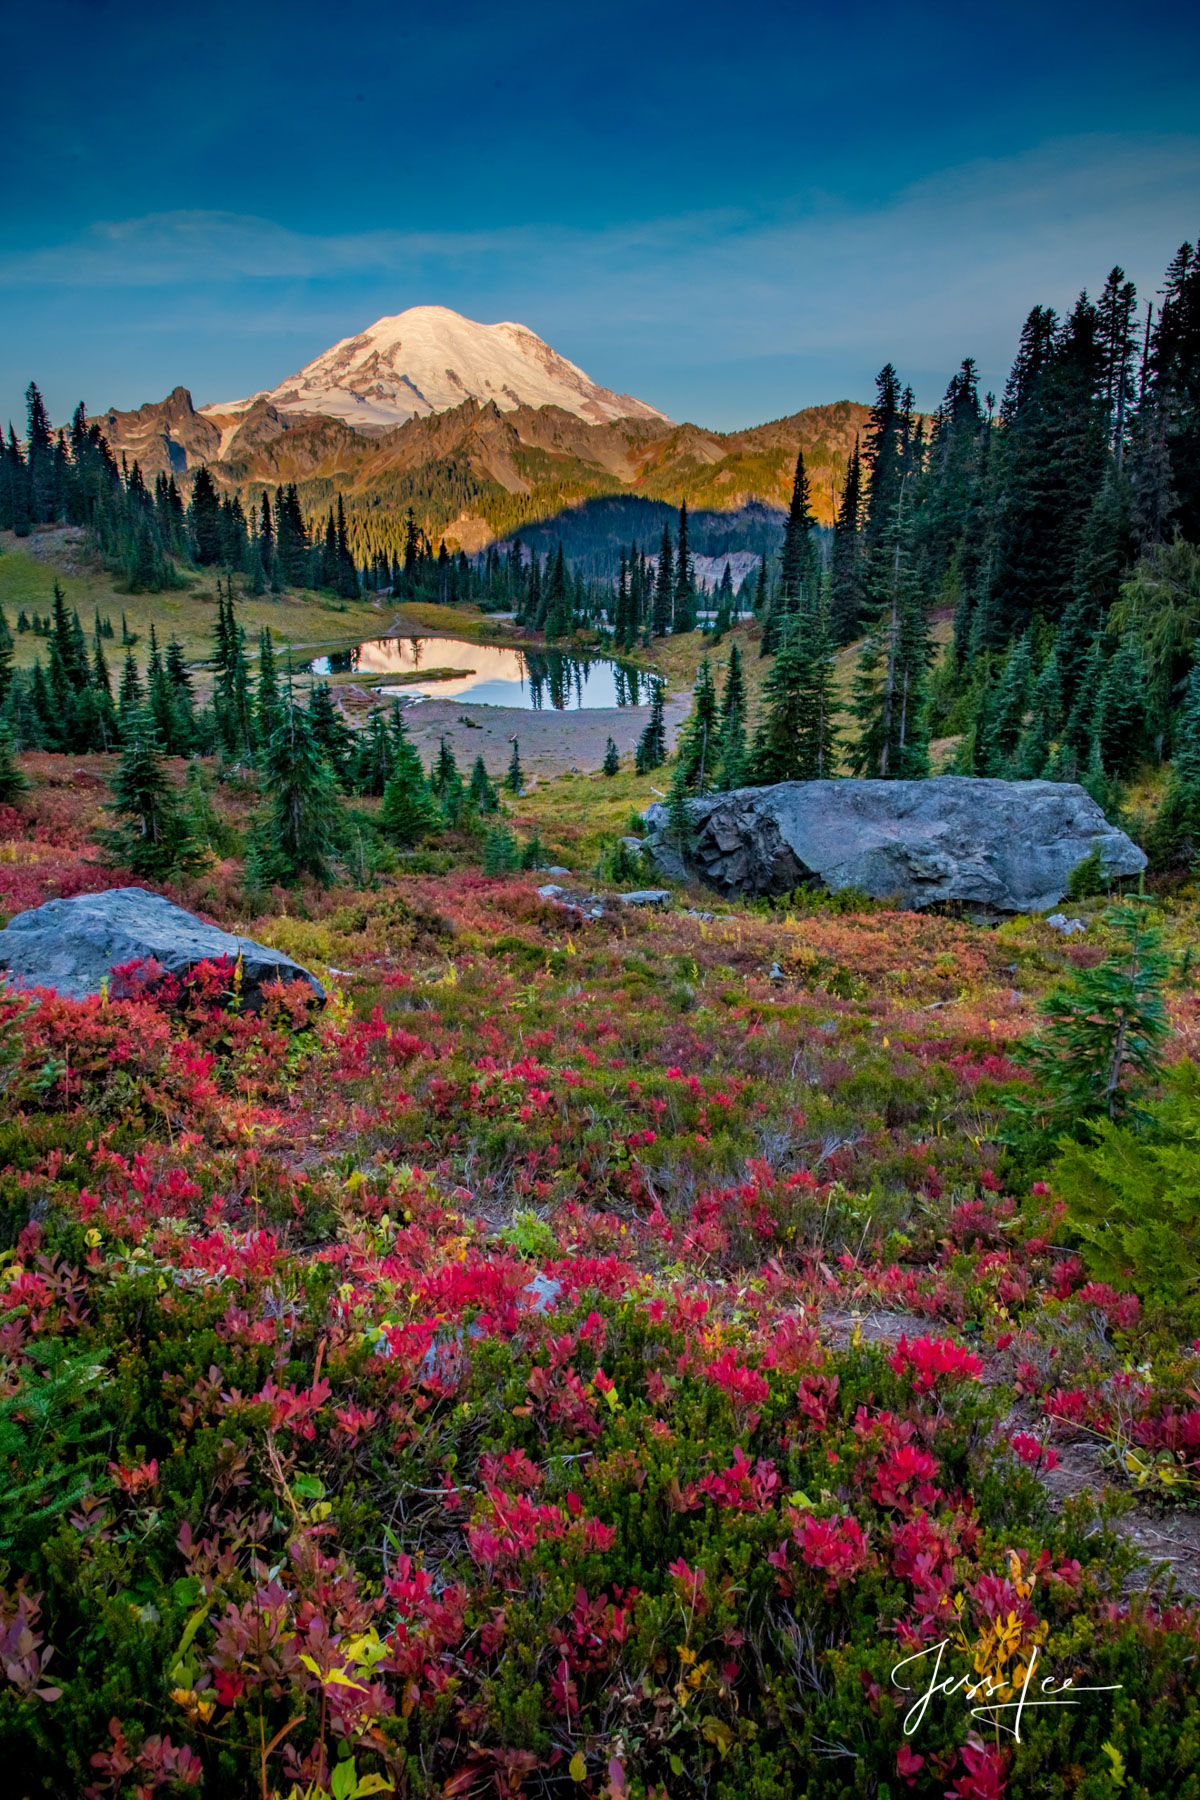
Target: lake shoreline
(552, 742)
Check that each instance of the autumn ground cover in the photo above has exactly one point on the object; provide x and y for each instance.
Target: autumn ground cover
(573, 1362)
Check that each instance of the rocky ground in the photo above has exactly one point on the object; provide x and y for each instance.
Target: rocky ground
(551, 742)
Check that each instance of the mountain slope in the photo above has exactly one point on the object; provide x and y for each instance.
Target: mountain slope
(483, 431)
(429, 360)
(477, 474)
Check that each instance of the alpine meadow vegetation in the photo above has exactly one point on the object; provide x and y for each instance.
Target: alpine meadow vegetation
(574, 1361)
(632, 1351)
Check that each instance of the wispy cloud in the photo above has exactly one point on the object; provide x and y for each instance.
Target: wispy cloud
(927, 274)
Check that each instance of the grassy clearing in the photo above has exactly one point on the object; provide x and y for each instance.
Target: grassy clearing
(579, 814)
(302, 619)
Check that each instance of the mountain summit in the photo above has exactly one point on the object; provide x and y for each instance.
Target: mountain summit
(430, 359)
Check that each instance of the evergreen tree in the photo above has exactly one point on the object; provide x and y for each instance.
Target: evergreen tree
(501, 852)
(795, 738)
(160, 695)
(558, 599)
(1115, 314)
(152, 838)
(1006, 713)
(203, 822)
(1160, 606)
(19, 498)
(39, 445)
(1175, 835)
(447, 783)
(1077, 746)
(680, 830)
(480, 792)
(1122, 714)
(514, 781)
(409, 811)
(204, 521)
(663, 606)
(179, 677)
(1045, 718)
(6, 657)
(1153, 500)
(298, 829)
(732, 761)
(330, 730)
(101, 678)
(346, 575)
(622, 625)
(684, 598)
(14, 783)
(292, 546)
(1104, 546)
(232, 703)
(1106, 1027)
(725, 604)
(372, 757)
(268, 706)
(612, 760)
(1052, 455)
(697, 751)
(798, 564)
(132, 697)
(885, 455)
(1173, 382)
(890, 689)
(651, 750)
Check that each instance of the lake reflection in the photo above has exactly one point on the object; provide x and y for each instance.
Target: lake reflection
(491, 675)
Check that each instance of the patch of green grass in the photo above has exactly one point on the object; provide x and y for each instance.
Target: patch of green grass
(311, 621)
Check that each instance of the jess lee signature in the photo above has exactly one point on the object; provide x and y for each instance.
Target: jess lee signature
(1047, 1692)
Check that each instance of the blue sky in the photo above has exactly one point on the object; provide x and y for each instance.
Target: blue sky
(731, 212)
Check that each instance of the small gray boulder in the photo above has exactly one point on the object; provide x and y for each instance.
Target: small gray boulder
(73, 945)
(989, 846)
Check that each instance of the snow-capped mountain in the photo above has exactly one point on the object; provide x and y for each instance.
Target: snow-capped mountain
(428, 360)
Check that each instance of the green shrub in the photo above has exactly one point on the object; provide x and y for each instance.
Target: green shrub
(501, 852)
(1087, 878)
(1134, 1197)
(1106, 1026)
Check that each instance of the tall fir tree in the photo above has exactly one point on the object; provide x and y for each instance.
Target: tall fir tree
(846, 609)
(651, 750)
(795, 739)
(697, 751)
(799, 566)
(683, 613)
(298, 829)
(664, 588)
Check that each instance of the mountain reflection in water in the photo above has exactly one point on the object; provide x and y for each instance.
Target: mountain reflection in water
(491, 675)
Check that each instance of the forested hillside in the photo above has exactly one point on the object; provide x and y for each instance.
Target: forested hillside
(1054, 533)
(475, 474)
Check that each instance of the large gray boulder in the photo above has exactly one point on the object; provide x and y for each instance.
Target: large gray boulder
(991, 847)
(73, 945)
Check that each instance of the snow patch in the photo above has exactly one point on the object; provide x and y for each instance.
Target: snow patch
(429, 359)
